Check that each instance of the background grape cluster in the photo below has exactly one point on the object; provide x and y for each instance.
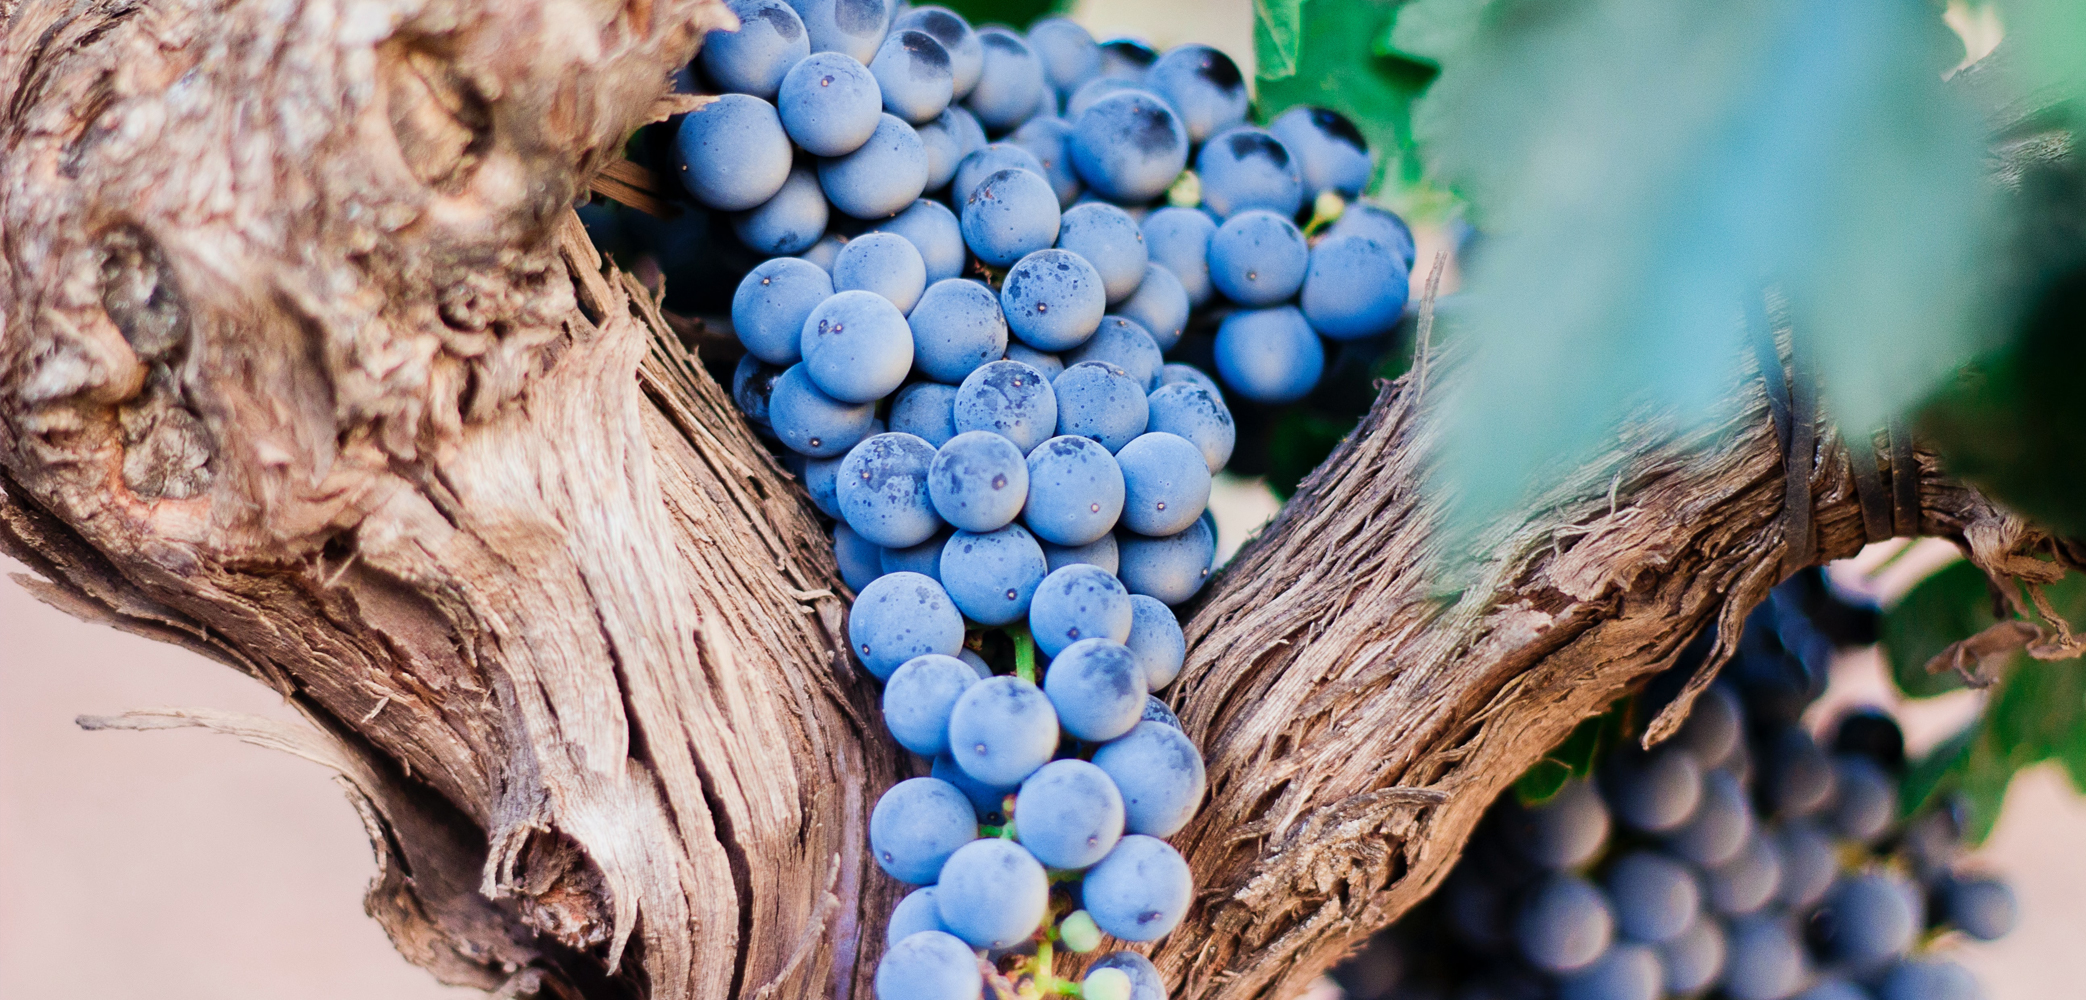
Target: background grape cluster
(1741, 859)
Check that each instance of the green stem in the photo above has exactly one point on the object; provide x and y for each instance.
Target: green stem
(1024, 653)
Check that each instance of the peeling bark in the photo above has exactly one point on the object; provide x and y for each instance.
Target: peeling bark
(306, 366)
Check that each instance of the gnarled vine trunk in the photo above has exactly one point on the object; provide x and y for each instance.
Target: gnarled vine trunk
(307, 366)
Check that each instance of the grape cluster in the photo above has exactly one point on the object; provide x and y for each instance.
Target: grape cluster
(1741, 859)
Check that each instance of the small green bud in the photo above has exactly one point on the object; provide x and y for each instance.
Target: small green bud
(1186, 190)
(1079, 933)
(1105, 984)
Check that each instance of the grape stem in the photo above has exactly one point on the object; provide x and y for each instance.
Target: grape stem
(1024, 653)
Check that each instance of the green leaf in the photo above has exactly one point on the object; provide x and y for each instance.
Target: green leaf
(1337, 67)
(1433, 31)
(1013, 13)
(1277, 28)
(1575, 757)
(1643, 169)
(2045, 39)
(1947, 607)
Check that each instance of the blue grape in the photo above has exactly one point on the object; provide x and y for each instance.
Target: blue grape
(821, 480)
(929, 965)
(988, 800)
(1204, 85)
(1067, 51)
(1101, 401)
(1246, 168)
(1173, 372)
(1721, 822)
(1983, 908)
(1046, 136)
(753, 381)
(812, 423)
(993, 893)
(926, 410)
(1093, 90)
(1868, 920)
(791, 221)
(919, 697)
(881, 177)
(933, 231)
(916, 825)
(966, 56)
(827, 248)
(1140, 890)
(1330, 153)
(1564, 924)
(1625, 972)
(1001, 730)
(1797, 777)
(992, 575)
(752, 60)
(1160, 305)
(1693, 960)
(1380, 224)
(1126, 59)
(1478, 909)
(1170, 569)
(830, 104)
(1166, 484)
(1810, 860)
(857, 346)
(989, 159)
(1713, 729)
(978, 481)
(1269, 355)
(944, 141)
(1258, 258)
(1122, 343)
(1654, 792)
(976, 663)
(1566, 831)
(853, 27)
(861, 560)
(957, 329)
(1049, 364)
(1747, 882)
(1129, 146)
(771, 304)
(1010, 399)
(734, 154)
(885, 264)
(1108, 239)
(1156, 638)
(1100, 553)
(913, 72)
(1160, 775)
(1145, 983)
(900, 616)
(1078, 602)
(1097, 687)
(1156, 711)
(1178, 239)
(1655, 898)
(1075, 491)
(1012, 214)
(924, 558)
(1053, 299)
(1354, 287)
(1068, 814)
(1833, 989)
(1866, 802)
(916, 913)
(1011, 86)
(1929, 979)
(1195, 414)
(1762, 959)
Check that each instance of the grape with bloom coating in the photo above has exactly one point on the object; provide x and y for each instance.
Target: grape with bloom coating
(992, 575)
(882, 490)
(1010, 215)
(919, 697)
(1170, 569)
(857, 346)
(883, 263)
(1078, 602)
(916, 825)
(900, 616)
(1097, 688)
(1053, 299)
(1140, 891)
(957, 329)
(829, 104)
(993, 893)
(978, 481)
(1160, 775)
(1010, 399)
(753, 59)
(929, 965)
(1068, 814)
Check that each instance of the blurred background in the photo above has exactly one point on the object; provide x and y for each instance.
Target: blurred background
(182, 865)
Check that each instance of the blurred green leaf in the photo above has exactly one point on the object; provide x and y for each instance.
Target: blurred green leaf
(1431, 31)
(1277, 27)
(1300, 439)
(2047, 42)
(1952, 605)
(1013, 13)
(1641, 169)
(1337, 67)
(1575, 757)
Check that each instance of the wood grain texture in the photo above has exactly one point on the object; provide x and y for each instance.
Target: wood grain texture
(306, 365)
